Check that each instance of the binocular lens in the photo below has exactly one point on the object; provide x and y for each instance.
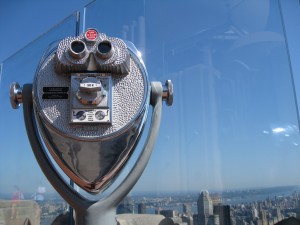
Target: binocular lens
(104, 47)
(77, 49)
(105, 50)
(77, 46)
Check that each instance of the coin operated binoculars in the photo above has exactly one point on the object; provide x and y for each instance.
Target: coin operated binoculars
(87, 107)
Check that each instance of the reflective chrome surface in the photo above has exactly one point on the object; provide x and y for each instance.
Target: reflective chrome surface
(127, 92)
(168, 92)
(92, 165)
(15, 94)
(92, 154)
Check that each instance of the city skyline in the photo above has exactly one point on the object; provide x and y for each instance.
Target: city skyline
(255, 206)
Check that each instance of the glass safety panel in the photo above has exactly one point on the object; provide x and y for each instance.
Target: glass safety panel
(290, 14)
(24, 190)
(232, 135)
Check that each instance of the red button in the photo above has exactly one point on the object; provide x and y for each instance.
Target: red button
(91, 34)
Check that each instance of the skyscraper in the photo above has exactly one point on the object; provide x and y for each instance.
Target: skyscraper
(224, 214)
(278, 214)
(187, 209)
(205, 209)
(264, 217)
(141, 208)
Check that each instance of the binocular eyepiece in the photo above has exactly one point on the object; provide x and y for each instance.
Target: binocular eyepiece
(101, 54)
(78, 49)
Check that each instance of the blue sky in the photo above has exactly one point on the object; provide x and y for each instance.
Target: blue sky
(23, 21)
(234, 119)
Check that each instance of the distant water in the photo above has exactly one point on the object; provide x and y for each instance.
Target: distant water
(259, 194)
(242, 197)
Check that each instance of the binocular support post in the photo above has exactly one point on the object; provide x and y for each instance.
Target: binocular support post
(102, 212)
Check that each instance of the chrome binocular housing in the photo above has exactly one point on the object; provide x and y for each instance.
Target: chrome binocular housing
(91, 96)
